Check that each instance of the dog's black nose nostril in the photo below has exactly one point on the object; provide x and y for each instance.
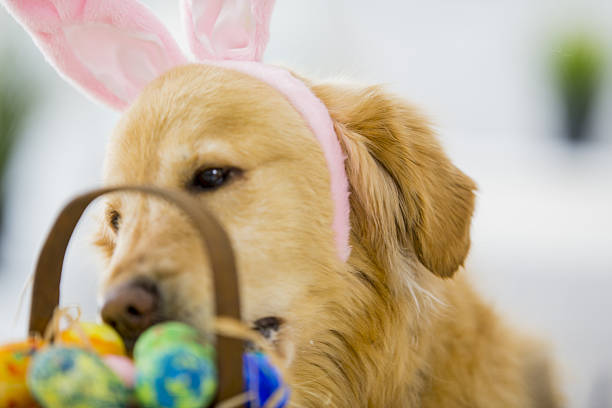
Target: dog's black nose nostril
(131, 308)
(268, 326)
(133, 311)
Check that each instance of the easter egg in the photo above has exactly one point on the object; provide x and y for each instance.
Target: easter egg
(63, 377)
(14, 362)
(173, 368)
(174, 332)
(102, 338)
(263, 381)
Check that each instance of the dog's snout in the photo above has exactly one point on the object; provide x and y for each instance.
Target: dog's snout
(131, 308)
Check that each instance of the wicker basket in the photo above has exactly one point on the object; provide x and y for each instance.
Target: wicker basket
(46, 289)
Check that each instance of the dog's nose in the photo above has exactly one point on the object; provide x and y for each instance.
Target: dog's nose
(131, 308)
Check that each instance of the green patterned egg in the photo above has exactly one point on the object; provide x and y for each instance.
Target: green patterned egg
(62, 377)
(173, 332)
(173, 369)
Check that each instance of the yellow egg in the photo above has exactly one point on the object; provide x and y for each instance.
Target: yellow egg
(14, 362)
(103, 338)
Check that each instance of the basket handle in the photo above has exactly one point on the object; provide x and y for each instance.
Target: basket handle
(46, 288)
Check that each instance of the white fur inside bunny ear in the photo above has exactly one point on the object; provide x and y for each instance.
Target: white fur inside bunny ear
(109, 48)
(227, 29)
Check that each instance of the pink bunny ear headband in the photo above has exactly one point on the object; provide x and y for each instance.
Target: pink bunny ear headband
(111, 49)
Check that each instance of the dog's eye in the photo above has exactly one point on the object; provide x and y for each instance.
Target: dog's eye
(113, 219)
(211, 178)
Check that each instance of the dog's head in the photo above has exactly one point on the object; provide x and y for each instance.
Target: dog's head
(242, 149)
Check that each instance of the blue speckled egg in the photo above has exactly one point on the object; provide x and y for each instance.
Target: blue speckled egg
(263, 381)
(62, 377)
(174, 332)
(173, 369)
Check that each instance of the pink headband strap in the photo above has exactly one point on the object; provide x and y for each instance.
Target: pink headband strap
(317, 117)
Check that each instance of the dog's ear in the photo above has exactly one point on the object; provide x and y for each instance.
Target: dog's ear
(405, 193)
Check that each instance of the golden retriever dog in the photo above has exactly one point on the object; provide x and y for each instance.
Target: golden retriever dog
(395, 326)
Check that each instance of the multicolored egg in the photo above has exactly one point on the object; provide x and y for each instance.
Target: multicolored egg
(263, 381)
(63, 377)
(102, 338)
(14, 362)
(173, 368)
(173, 332)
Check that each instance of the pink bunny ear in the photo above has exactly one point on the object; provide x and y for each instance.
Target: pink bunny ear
(227, 29)
(109, 48)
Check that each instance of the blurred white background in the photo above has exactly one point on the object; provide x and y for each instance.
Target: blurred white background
(542, 233)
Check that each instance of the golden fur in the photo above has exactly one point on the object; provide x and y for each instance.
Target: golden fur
(387, 329)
